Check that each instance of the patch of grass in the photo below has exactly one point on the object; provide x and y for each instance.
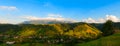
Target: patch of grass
(113, 40)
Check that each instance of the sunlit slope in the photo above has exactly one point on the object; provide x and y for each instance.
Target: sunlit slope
(77, 30)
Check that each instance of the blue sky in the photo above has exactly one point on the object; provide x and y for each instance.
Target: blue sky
(16, 11)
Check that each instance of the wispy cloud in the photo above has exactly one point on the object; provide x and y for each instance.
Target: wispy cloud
(102, 20)
(12, 8)
(49, 5)
(57, 17)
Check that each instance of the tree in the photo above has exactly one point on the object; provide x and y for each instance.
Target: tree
(108, 28)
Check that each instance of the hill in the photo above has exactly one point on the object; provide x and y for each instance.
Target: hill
(113, 40)
(68, 32)
(78, 30)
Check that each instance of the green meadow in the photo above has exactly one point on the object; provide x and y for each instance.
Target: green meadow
(113, 40)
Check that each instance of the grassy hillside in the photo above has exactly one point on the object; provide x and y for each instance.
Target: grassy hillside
(49, 33)
(113, 40)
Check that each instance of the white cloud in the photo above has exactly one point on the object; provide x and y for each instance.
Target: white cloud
(102, 20)
(112, 17)
(12, 8)
(49, 17)
(89, 20)
(3, 21)
(31, 17)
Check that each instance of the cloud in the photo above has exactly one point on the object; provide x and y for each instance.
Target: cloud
(112, 17)
(3, 21)
(49, 17)
(89, 20)
(49, 5)
(11, 8)
(102, 20)
(55, 15)
(31, 17)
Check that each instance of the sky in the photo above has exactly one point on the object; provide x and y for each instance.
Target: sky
(91, 11)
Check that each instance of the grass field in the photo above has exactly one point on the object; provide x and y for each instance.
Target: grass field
(113, 40)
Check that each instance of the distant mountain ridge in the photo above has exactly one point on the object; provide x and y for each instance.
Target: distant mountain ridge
(46, 22)
(97, 25)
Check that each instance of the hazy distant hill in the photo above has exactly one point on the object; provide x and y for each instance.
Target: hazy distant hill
(45, 22)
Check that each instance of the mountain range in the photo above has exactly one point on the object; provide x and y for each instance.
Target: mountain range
(46, 22)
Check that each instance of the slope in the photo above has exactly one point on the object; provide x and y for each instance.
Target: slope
(113, 40)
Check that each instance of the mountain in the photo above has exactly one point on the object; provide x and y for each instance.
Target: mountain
(65, 28)
(97, 25)
(45, 22)
(32, 33)
(84, 31)
(78, 30)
